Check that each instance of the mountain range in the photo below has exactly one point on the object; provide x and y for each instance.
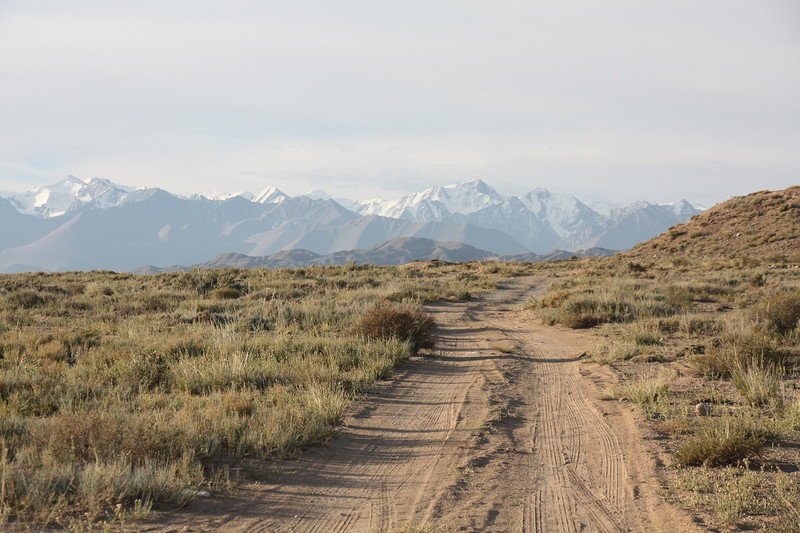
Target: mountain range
(392, 252)
(79, 224)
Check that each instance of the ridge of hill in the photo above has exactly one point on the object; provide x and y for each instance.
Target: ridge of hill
(763, 224)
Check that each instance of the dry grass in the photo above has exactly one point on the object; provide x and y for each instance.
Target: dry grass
(780, 311)
(724, 331)
(758, 382)
(119, 393)
(722, 442)
(648, 394)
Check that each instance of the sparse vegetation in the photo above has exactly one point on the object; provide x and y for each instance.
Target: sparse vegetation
(119, 393)
(722, 332)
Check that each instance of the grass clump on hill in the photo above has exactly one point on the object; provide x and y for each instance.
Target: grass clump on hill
(119, 393)
(780, 311)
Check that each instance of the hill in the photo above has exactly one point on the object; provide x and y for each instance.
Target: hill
(763, 224)
(397, 251)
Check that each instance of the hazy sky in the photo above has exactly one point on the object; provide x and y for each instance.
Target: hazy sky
(616, 99)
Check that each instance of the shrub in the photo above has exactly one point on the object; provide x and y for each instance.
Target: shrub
(614, 350)
(781, 311)
(757, 381)
(792, 416)
(384, 321)
(642, 393)
(26, 299)
(645, 335)
(737, 351)
(722, 442)
(225, 293)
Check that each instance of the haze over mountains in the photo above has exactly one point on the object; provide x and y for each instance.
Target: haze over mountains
(96, 224)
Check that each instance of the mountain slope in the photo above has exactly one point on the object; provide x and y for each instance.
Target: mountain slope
(621, 229)
(762, 224)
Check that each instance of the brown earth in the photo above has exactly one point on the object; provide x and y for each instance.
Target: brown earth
(759, 225)
(497, 430)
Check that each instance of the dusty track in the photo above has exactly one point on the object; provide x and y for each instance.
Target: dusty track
(498, 430)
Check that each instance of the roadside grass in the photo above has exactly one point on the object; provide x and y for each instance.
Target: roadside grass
(121, 393)
(648, 394)
(725, 441)
(721, 338)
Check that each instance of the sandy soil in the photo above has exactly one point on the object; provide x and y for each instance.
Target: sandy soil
(497, 430)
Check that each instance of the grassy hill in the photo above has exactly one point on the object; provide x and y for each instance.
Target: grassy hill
(763, 225)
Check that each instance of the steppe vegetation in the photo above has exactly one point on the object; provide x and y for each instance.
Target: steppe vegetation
(709, 350)
(121, 392)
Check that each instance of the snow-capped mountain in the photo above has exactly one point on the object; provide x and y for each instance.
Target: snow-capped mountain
(84, 224)
(270, 195)
(565, 213)
(69, 194)
(217, 195)
(437, 202)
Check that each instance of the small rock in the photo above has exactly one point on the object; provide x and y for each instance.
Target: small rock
(702, 409)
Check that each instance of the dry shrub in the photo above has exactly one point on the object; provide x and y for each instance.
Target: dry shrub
(722, 442)
(737, 351)
(26, 299)
(225, 293)
(385, 321)
(780, 311)
(758, 382)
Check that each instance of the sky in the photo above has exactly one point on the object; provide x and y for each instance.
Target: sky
(614, 100)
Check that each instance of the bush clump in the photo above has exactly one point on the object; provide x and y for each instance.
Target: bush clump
(226, 293)
(385, 321)
(780, 311)
(723, 442)
(26, 299)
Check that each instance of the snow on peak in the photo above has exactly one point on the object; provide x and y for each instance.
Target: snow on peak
(563, 212)
(684, 209)
(463, 198)
(69, 194)
(217, 195)
(270, 195)
(317, 194)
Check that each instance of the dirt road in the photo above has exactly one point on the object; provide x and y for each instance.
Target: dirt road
(499, 430)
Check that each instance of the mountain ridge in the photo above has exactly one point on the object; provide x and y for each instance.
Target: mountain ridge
(89, 224)
(396, 251)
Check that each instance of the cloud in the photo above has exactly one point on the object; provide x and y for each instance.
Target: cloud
(645, 99)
